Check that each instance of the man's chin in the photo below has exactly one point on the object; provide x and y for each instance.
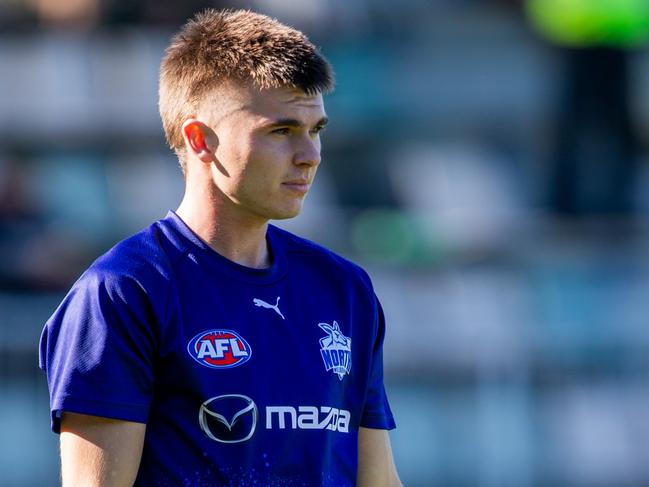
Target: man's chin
(286, 214)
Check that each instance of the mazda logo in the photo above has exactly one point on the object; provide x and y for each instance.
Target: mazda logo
(230, 418)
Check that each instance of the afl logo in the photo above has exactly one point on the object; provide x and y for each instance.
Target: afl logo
(219, 349)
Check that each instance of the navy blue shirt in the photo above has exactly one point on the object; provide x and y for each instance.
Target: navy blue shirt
(243, 376)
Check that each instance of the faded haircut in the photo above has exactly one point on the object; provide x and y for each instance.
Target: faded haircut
(223, 45)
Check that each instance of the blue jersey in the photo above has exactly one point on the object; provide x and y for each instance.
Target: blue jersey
(243, 376)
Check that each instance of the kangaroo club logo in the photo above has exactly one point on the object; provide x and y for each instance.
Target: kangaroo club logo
(336, 350)
(219, 349)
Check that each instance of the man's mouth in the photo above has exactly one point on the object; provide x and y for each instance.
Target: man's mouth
(298, 185)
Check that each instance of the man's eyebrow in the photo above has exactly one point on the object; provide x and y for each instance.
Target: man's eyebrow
(292, 122)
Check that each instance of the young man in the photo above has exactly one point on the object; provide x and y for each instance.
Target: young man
(213, 348)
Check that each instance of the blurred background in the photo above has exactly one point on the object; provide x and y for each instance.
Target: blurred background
(486, 161)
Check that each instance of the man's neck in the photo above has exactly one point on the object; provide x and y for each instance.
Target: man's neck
(239, 239)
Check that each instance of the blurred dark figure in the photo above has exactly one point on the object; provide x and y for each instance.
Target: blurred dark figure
(19, 219)
(155, 12)
(594, 160)
(593, 165)
(35, 254)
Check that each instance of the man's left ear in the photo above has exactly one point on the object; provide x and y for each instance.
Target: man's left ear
(200, 139)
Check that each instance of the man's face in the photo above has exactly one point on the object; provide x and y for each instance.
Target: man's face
(268, 150)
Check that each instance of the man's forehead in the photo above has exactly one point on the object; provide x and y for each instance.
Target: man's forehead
(289, 95)
(231, 98)
(280, 99)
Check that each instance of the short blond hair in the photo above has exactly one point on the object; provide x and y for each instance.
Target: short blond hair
(221, 45)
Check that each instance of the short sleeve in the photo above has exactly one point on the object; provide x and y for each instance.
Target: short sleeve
(377, 413)
(98, 350)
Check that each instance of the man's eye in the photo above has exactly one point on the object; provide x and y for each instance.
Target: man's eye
(282, 131)
(317, 130)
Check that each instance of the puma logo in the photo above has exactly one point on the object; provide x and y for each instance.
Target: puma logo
(264, 304)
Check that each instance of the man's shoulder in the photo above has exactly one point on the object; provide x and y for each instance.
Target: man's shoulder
(145, 257)
(136, 273)
(313, 253)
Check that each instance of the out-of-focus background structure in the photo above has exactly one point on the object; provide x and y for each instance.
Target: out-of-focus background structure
(486, 162)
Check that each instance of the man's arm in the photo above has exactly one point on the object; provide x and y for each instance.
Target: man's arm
(99, 452)
(375, 463)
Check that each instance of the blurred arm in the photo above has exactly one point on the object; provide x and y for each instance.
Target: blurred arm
(375, 463)
(99, 451)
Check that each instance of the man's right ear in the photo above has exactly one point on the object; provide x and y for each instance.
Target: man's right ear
(200, 139)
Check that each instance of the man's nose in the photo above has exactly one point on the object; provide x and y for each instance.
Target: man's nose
(308, 152)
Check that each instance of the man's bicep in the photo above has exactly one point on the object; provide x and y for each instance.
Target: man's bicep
(375, 463)
(100, 451)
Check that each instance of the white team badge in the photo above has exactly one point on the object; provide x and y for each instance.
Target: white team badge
(264, 304)
(336, 350)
